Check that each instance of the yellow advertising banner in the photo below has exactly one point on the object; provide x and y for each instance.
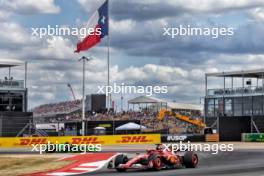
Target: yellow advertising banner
(104, 140)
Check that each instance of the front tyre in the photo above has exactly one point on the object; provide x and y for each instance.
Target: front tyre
(120, 159)
(154, 162)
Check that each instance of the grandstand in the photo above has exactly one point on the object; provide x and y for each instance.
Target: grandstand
(182, 108)
(70, 113)
(52, 109)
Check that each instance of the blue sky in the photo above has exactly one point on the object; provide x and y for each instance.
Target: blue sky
(140, 54)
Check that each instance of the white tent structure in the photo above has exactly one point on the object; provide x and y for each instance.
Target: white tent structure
(10, 62)
(184, 106)
(130, 126)
(146, 100)
(99, 130)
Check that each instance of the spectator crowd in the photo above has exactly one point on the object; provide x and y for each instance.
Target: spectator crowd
(57, 108)
(147, 118)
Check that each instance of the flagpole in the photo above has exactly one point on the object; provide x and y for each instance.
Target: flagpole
(84, 45)
(108, 57)
(108, 64)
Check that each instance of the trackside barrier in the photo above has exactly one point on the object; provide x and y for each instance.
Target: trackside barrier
(252, 137)
(104, 140)
(212, 137)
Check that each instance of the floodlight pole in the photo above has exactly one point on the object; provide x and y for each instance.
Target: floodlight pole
(109, 98)
(83, 94)
(25, 86)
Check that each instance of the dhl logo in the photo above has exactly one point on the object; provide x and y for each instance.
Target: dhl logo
(30, 141)
(86, 140)
(134, 139)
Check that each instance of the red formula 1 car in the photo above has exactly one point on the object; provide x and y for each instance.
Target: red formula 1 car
(156, 160)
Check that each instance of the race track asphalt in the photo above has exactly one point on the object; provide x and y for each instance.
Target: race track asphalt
(247, 159)
(236, 163)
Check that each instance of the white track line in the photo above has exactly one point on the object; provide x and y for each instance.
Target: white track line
(63, 173)
(97, 164)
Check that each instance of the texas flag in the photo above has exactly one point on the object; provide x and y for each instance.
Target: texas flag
(98, 21)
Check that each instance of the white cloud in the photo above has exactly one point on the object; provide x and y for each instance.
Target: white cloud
(4, 14)
(90, 5)
(209, 5)
(29, 6)
(123, 26)
(57, 47)
(193, 5)
(152, 72)
(132, 73)
(13, 34)
(52, 63)
(257, 14)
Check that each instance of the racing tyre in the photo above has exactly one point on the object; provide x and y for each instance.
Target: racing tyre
(157, 164)
(120, 159)
(190, 159)
(154, 161)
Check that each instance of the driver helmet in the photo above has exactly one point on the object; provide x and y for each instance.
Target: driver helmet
(159, 146)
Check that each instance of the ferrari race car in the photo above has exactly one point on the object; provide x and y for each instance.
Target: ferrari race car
(156, 160)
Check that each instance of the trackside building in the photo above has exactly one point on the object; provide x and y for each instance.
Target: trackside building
(13, 99)
(234, 102)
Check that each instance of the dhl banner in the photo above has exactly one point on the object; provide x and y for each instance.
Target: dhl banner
(104, 140)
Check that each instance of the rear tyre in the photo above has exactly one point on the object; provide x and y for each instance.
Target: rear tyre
(120, 159)
(190, 159)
